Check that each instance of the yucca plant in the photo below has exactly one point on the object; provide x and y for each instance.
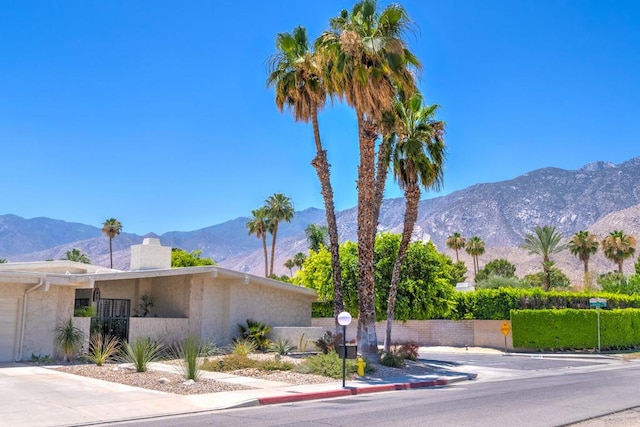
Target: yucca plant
(102, 348)
(141, 352)
(69, 338)
(189, 352)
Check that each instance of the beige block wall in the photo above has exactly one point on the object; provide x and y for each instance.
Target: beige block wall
(302, 337)
(478, 333)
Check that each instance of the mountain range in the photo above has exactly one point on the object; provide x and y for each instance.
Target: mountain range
(599, 197)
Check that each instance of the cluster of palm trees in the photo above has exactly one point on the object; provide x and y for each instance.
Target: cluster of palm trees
(265, 220)
(474, 247)
(297, 261)
(546, 241)
(364, 60)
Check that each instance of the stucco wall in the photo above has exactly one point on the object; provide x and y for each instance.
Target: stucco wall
(45, 311)
(479, 333)
(166, 330)
(303, 338)
(230, 302)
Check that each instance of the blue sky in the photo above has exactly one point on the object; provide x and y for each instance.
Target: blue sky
(156, 112)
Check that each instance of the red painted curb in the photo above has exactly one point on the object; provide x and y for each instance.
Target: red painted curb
(349, 392)
(306, 396)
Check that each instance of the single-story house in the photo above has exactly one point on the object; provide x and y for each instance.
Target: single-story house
(208, 302)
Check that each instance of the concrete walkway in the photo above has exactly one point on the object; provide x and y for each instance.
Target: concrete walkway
(35, 396)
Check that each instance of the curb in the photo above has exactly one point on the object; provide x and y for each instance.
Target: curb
(352, 391)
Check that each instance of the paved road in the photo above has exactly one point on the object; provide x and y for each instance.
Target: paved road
(540, 397)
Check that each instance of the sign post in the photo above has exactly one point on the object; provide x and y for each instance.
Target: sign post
(505, 328)
(597, 303)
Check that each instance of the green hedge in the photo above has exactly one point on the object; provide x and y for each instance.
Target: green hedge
(571, 329)
(496, 304)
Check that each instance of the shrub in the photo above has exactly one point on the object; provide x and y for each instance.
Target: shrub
(257, 332)
(409, 351)
(276, 365)
(141, 352)
(393, 358)
(102, 348)
(328, 342)
(86, 311)
(282, 346)
(231, 362)
(328, 365)
(68, 338)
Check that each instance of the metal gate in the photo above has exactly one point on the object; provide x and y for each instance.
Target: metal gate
(113, 318)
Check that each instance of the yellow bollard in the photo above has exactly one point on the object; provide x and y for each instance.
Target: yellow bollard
(361, 364)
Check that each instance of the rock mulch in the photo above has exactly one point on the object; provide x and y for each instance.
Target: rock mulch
(176, 383)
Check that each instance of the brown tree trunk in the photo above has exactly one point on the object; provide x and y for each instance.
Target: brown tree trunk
(273, 246)
(110, 253)
(412, 196)
(323, 170)
(382, 170)
(367, 338)
(266, 256)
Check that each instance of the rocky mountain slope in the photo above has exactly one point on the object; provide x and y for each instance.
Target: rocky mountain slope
(600, 197)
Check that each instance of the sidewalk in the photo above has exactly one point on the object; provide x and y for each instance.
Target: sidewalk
(35, 396)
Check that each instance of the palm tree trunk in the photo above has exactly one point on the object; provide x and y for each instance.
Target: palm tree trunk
(322, 167)
(266, 257)
(110, 252)
(412, 195)
(457, 259)
(367, 338)
(273, 246)
(382, 170)
(620, 265)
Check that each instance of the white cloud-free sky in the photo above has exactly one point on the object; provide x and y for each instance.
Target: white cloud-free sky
(156, 112)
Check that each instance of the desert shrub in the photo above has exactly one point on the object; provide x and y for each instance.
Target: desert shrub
(276, 365)
(282, 346)
(328, 365)
(102, 348)
(141, 352)
(409, 351)
(392, 358)
(328, 342)
(231, 362)
(257, 332)
(243, 347)
(68, 338)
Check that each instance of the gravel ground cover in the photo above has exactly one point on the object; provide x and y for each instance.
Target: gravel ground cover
(175, 382)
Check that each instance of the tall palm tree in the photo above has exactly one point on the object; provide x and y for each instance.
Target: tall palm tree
(618, 246)
(545, 241)
(418, 162)
(583, 244)
(279, 208)
(111, 228)
(475, 248)
(365, 60)
(456, 242)
(295, 72)
(77, 256)
(316, 236)
(260, 224)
